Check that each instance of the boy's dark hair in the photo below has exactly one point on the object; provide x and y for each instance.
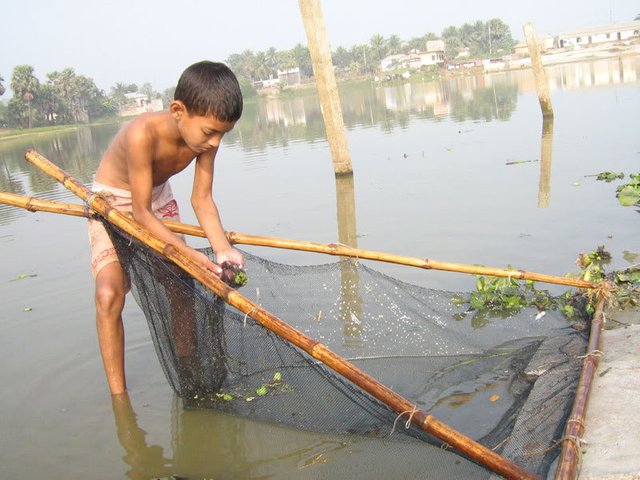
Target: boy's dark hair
(210, 88)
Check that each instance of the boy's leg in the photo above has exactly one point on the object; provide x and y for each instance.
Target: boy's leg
(109, 298)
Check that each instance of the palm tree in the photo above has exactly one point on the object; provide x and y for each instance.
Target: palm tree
(262, 67)
(378, 43)
(394, 44)
(302, 57)
(25, 85)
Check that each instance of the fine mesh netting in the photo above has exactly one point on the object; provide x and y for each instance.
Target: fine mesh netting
(508, 383)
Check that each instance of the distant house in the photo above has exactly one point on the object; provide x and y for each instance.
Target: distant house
(599, 34)
(545, 42)
(138, 103)
(415, 59)
(290, 77)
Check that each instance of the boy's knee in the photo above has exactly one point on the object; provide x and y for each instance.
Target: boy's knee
(109, 298)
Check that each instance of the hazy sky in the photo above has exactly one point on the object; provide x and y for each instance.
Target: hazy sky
(138, 41)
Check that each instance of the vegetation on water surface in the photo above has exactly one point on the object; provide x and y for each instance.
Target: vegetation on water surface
(270, 388)
(628, 194)
(496, 297)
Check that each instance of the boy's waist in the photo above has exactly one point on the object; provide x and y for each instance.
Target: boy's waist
(120, 198)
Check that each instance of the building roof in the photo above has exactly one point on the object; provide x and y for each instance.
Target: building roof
(608, 28)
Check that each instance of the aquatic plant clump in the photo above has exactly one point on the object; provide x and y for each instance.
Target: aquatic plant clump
(233, 275)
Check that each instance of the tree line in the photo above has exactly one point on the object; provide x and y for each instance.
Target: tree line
(67, 97)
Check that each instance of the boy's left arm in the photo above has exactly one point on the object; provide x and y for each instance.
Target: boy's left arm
(207, 212)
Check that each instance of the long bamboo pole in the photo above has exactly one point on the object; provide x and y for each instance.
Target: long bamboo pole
(571, 448)
(34, 204)
(402, 406)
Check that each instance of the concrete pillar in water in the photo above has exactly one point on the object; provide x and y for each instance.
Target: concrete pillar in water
(327, 87)
(542, 84)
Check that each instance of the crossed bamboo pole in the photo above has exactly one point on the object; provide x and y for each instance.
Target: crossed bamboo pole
(35, 204)
(402, 406)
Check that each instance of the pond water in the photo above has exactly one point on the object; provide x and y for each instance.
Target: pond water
(460, 170)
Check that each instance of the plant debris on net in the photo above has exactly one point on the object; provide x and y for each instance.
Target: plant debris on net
(508, 384)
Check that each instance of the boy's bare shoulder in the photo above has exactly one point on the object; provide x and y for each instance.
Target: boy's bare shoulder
(146, 133)
(150, 126)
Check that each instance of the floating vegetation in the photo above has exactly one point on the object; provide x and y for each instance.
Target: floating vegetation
(23, 276)
(607, 176)
(629, 194)
(275, 387)
(498, 297)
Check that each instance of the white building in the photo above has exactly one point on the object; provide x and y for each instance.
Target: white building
(415, 60)
(138, 103)
(613, 32)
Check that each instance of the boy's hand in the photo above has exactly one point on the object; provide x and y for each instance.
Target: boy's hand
(230, 255)
(202, 260)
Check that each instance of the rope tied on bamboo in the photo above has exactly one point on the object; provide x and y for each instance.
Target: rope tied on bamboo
(592, 354)
(407, 425)
(574, 440)
(577, 420)
(246, 315)
(354, 252)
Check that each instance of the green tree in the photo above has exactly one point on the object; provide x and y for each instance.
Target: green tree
(394, 45)
(118, 93)
(61, 84)
(49, 104)
(378, 44)
(263, 70)
(302, 57)
(147, 89)
(168, 95)
(452, 47)
(341, 58)
(25, 87)
(2, 90)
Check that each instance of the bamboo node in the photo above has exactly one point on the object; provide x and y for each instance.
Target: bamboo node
(29, 206)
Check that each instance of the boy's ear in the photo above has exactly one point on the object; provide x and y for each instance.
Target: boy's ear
(177, 109)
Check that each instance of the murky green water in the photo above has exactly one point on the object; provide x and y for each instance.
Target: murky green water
(457, 171)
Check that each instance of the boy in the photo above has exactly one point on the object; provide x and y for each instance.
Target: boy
(134, 173)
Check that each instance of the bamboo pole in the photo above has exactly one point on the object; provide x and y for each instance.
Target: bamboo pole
(571, 449)
(236, 238)
(542, 84)
(402, 406)
(311, 11)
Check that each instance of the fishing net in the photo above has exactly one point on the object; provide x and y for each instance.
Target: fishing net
(508, 383)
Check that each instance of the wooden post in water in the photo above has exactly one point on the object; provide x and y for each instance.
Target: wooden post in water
(327, 87)
(542, 84)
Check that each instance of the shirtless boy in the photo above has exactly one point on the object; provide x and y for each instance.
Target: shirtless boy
(134, 172)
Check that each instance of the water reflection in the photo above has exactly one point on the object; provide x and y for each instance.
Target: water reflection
(145, 461)
(77, 150)
(296, 117)
(350, 298)
(546, 147)
(210, 444)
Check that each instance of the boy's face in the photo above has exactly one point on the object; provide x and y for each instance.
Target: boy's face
(200, 133)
